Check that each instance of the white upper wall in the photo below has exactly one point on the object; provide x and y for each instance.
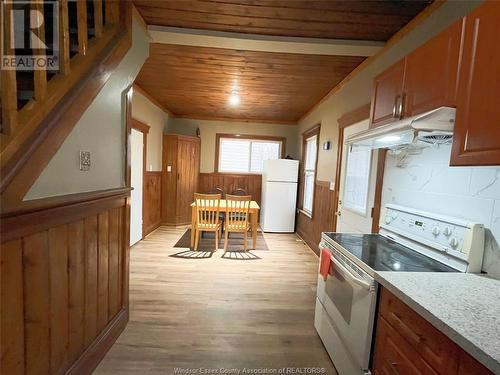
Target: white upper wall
(100, 130)
(148, 113)
(358, 90)
(208, 130)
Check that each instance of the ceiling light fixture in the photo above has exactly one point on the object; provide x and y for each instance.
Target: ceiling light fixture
(234, 98)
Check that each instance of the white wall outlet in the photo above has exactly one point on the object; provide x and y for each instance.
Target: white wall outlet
(169, 168)
(84, 160)
(332, 185)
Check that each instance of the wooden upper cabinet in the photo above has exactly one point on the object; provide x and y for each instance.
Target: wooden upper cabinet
(387, 95)
(477, 123)
(431, 73)
(425, 79)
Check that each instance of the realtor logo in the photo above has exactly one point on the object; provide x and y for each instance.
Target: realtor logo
(30, 35)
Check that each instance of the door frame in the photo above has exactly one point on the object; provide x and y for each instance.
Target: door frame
(348, 119)
(144, 129)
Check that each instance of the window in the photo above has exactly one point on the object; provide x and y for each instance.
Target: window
(357, 178)
(246, 154)
(310, 145)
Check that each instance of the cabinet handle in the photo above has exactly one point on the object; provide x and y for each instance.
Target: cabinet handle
(395, 106)
(394, 368)
(401, 106)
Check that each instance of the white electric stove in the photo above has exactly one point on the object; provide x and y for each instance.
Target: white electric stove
(409, 240)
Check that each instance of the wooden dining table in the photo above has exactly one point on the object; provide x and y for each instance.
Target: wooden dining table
(254, 219)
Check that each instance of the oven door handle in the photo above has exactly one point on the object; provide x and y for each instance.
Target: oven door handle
(346, 273)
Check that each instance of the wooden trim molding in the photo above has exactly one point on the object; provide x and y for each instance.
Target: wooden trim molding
(144, 129)
(218, 136)
(354, 116)
(314, 130)
(94, 354)
(151, 98)
(32, 206)
(45, 213)
(347, 119)
(377, 204)
(421, 17)
(140, 126)
(230, 119)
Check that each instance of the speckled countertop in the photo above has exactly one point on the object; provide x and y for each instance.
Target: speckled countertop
(465, 307)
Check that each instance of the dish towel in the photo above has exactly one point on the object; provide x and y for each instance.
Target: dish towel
(325, 262)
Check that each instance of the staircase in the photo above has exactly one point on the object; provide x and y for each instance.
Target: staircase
(92, 35)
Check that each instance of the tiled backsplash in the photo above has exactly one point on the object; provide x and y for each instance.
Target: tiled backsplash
(427, 182)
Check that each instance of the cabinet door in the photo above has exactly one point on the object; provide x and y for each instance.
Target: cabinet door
(431, 73)
(393, 355)
(187, 177)
(387, 92)
(477, 126)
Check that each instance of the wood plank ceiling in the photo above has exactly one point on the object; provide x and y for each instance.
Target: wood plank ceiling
(345, 19)
(276, 87)
(196, 82)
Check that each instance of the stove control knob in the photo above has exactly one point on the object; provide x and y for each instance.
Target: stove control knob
(453, 242)
(394, 216)
(388, 219)
(436, 230)
(447, 231)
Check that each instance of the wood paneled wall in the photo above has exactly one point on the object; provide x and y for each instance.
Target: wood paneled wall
(323, 216)
(252, 183)
(64, 289)
(151, 202)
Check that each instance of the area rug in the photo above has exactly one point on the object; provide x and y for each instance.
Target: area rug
(207, 242)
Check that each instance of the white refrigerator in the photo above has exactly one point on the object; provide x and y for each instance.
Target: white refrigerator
(279, 195)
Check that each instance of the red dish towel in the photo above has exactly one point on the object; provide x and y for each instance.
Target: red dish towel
(325, 261)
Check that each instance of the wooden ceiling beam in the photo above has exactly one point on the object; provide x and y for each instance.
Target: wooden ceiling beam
(263, 43)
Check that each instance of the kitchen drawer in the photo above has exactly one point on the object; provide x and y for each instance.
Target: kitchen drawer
(434, 347)
(395, 356)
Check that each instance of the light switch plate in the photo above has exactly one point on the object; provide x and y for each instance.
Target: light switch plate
(332, 185)
(84, 160)
(169, 168)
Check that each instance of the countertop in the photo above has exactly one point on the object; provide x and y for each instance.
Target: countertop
(464, 306)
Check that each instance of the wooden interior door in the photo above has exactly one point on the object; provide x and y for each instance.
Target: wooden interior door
(187, 176)
(431, 73)
(387, 94)
(477, 128)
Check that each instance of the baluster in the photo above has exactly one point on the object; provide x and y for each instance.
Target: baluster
(81, 10)
(40, 74)
(98, 18)
(112, 12)
(8, 79)
(64, 43)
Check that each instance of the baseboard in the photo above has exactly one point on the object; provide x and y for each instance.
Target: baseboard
(310, 243)
(150, 228)
(91, 357)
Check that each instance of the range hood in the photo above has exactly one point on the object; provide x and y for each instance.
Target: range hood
(436, 124)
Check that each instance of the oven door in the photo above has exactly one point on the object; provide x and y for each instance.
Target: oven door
(349, 300)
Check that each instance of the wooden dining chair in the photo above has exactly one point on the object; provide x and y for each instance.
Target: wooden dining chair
(237, 212)
(240, 192)
(207, 217)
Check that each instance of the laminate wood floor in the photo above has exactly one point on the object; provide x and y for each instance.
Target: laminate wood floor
(214, 313)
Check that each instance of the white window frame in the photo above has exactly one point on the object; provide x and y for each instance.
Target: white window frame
(346, 203)
(251, 140)
(308, 172)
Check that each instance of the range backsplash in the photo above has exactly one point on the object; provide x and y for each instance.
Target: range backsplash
(427, 182)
